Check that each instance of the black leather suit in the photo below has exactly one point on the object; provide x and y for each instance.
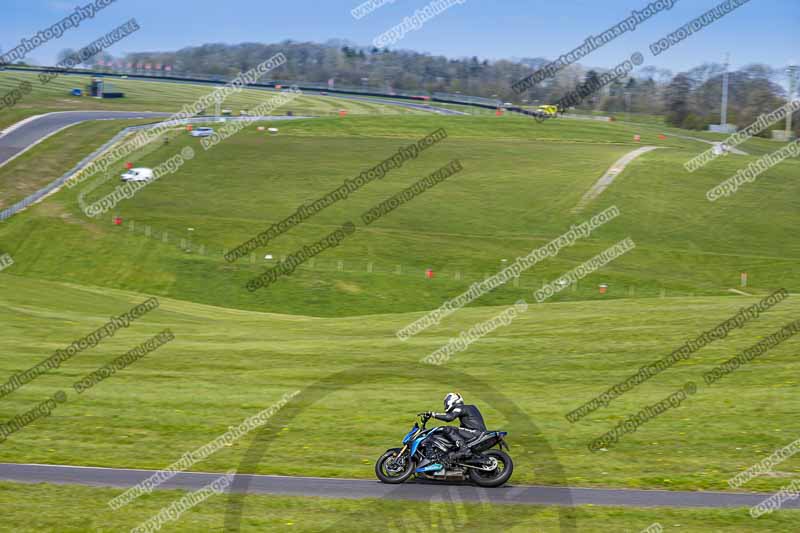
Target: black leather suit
(471, 421)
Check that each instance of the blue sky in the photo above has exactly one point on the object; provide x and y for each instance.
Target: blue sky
(765, 31)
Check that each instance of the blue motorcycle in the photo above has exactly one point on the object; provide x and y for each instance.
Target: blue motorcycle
(424, 454)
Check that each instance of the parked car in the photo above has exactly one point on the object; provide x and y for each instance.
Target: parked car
(138, 174)
(202, 132)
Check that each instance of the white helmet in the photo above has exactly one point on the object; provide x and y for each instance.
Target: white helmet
(451, 400)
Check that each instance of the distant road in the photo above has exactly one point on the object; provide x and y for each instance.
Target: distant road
(17, 139)
(364, 488)
(311, 91)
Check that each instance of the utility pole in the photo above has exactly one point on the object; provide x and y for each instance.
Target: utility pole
(792, 72)
(628, 104)
(724, 118)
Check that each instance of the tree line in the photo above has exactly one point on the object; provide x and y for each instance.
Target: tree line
(688, 99)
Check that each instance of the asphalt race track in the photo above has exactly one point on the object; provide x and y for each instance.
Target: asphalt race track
(20, 138)
(309, 92)
(361, 488)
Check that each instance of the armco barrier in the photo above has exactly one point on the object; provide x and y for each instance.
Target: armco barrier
(474, 101)
(44, 191)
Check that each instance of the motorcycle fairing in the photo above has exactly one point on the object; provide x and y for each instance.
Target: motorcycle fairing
(419, 440)
(410, 434)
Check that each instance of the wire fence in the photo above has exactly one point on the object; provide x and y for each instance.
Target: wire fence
(186, 243)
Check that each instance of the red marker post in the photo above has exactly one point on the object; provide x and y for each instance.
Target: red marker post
(429, 273)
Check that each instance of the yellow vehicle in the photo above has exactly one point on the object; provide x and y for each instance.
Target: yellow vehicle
(549, 110)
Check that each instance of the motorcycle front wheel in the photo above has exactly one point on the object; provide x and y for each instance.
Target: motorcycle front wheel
(393, 468)
(498, 476)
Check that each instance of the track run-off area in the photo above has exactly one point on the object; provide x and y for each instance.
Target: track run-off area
(364, 489)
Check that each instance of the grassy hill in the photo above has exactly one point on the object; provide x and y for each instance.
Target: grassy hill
(141, 95)
(54, 157)
(329, 329)
(519, 185)
(225, 365)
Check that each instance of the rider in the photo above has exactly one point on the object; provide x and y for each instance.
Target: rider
(471, 424)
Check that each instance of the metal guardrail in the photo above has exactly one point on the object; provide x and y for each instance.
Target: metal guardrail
(466, 99)
(44, 191)
(476, 101)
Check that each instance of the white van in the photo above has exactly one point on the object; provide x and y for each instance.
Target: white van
(138, 174)
(202, 132)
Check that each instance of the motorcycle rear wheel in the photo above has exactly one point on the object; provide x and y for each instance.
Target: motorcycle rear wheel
(498, 476)
(399, 473)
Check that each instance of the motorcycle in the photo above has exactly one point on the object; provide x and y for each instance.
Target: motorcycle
(424, 452)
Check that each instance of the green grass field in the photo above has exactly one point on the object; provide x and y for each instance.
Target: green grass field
(520, 182)
(141, 95)
(329, 329)
(226, 365)
(277, 513)
(54, 157)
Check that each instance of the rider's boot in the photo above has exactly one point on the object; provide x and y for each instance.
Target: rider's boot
(459, 453)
